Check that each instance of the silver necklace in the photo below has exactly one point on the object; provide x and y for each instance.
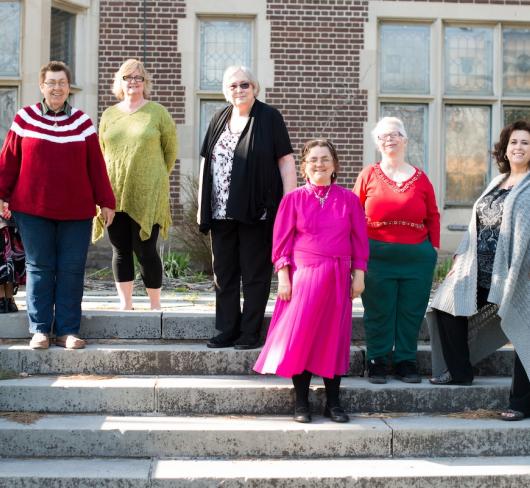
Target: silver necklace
(320, 199)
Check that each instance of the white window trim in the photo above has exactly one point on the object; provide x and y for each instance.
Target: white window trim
(437, 14)
(188, 29)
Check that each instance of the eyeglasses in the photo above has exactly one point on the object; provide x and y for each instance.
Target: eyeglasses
(53, 84)
(389, 135)
(128, 78)
(244, 86)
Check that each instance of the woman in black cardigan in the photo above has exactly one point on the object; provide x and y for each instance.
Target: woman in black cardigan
(247, 165)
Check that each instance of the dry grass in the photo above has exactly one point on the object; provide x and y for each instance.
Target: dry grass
(22, 417)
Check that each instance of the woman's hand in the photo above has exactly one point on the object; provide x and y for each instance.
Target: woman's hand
(108, 215)
(284, 284)
(357, 283)
(4, 208)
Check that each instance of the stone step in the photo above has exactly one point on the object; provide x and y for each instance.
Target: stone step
(154, 357)
(471, 472)
(191, 323)
(197, 395)
(260, 437)
(140, 359)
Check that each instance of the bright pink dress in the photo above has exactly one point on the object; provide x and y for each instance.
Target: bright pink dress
(321, 245)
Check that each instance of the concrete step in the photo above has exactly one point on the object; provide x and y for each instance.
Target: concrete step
(197, 395)
(472, 472)
(140, 359)
(162, 357)
(279, 437)
(186, 320)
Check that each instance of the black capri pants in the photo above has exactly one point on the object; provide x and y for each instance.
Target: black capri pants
(124, 235)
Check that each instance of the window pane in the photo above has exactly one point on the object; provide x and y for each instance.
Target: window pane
(511, 114)
(8, 108)
(208, 109)
(467, 143)
(9, 38)
(404, 59)
(62, 43)
(516, 61)
(415, 119)
(223, 43)
(468, 60)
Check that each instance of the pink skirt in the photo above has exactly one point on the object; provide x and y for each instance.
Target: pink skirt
(312, 331)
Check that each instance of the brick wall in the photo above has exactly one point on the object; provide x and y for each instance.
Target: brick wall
(315, 46)
(122, 37)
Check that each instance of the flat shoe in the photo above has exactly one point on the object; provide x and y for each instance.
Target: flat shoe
(302, 415)
(39, 341)
(446, 379)
(336, 414)
(70, 342)
(512, 415)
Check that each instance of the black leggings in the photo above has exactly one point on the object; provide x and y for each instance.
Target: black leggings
(124, 235)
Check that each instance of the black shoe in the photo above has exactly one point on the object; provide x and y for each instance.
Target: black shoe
(302, 415)
(11, 305)
(377, 371)
(446, 379)
(407, 372)
(3, 305)
(224, 339)
(336, 414)
(247, 342)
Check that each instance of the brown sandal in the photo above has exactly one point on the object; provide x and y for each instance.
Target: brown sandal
(512, 415)
(70, 342)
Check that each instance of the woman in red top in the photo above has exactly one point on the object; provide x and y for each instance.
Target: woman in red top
(404, 233)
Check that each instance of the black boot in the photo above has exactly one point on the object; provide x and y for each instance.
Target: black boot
(11, 305)
(333, 409)
(302, 412)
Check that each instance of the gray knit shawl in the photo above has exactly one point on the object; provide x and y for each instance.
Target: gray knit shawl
(510, 285)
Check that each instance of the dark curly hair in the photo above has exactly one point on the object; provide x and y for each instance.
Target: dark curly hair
(499, 150)
(320, 143)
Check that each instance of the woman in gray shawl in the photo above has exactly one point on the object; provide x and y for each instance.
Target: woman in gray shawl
(485, 298)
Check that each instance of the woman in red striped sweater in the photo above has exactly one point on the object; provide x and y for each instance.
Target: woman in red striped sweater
(53, 175)
(404, 233)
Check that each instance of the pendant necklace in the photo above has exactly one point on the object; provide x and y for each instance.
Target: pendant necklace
(320, 199)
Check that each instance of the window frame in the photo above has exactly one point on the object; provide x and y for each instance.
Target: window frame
(207, 95)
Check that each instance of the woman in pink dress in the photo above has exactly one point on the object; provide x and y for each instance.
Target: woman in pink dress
(320, 252)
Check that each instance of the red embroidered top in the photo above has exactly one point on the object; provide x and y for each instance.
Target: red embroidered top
(404, 213)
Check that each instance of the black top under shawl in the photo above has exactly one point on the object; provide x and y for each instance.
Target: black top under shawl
(489, 219)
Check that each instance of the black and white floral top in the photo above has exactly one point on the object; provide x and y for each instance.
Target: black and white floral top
(489, 218)
(222, 158)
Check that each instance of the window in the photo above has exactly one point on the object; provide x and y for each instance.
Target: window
(223, 42)
(62, 40)
(464, 105)
(9, 64)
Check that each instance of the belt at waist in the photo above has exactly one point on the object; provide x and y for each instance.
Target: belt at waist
(376, 224)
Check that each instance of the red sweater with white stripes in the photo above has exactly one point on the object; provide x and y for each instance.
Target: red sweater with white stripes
(401, 213)
(52, 166)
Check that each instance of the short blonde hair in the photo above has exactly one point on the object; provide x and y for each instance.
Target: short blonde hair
(126, 69)
(230, 71)
(385, 122)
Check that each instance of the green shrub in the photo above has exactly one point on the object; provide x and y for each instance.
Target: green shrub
(442, 268)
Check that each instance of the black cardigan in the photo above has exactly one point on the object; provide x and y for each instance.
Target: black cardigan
(255, 184)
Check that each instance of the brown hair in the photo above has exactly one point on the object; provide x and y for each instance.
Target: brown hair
(55, 66)
(127, 68)
(499, 150)
(320, 143)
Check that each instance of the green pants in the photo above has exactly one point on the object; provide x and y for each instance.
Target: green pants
(398, 285)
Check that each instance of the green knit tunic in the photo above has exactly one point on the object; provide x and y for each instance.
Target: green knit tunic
(140, 149)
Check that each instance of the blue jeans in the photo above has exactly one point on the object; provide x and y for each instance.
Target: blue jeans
(56, 252)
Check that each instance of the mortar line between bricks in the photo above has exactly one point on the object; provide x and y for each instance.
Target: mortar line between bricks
(391, 438)
(150, 473)
(155, 395)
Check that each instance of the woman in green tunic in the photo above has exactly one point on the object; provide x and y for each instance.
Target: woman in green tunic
(139, 142)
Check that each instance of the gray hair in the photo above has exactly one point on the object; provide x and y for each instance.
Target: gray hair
(230, 71)
(385, 122)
